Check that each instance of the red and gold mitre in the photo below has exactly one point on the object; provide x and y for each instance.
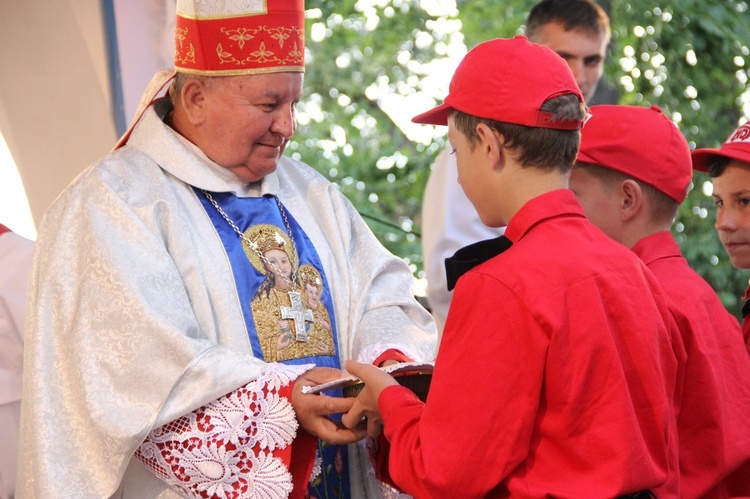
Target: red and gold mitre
(236, 37)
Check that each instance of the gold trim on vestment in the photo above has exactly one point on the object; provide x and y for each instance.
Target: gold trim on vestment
(222, 16)
(240, 72)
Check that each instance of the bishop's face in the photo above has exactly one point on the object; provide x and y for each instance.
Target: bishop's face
(249, 120)
(732, 196)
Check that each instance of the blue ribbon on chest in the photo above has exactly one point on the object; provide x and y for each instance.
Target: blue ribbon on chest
(276, 251)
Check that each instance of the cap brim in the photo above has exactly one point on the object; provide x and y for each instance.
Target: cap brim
(435, 116)
(702, 157)
(583, 157)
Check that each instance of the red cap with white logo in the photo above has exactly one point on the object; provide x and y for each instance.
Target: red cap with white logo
(737, 146)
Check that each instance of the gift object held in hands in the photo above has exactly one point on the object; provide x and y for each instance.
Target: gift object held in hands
(415, 376)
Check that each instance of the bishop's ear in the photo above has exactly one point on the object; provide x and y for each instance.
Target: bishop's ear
(193, 96)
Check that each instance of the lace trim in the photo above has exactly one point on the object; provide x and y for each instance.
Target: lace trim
(317, 467)
(225, 448)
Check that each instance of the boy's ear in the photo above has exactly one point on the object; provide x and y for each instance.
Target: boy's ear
(631, 199)
(490, 142)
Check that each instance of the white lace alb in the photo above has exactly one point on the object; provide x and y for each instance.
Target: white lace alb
(225, 448)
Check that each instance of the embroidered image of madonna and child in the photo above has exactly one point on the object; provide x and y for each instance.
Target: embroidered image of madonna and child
(290, 319)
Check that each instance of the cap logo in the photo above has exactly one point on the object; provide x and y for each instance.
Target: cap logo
(742, 134)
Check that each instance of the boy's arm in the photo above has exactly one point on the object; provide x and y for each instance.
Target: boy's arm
(483, 402)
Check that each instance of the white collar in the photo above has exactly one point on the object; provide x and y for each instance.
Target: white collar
(183, 159)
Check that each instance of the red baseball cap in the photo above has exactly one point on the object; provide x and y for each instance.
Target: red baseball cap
(640, 142)
(737, 146)
(508, 80)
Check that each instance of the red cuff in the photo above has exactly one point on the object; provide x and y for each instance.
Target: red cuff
(391, 354)
(300, 456)
(380, 461)
(391, 396)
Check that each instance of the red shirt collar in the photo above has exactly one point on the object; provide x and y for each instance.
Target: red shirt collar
(560, 202)
(657, 246)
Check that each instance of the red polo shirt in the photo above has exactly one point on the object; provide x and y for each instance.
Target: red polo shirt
(555, 374)
(714, 413)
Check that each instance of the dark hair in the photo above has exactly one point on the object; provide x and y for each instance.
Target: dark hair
(544, 148)
(716, 165)
(662, 208)
(584, 15)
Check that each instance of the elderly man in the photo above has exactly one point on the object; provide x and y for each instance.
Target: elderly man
(168, 321)
(578, 31)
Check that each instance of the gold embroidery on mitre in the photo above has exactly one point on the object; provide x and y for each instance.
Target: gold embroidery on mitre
(280, 35)
(239, 35)
(182, 54)
(262, 55)
(296, 53)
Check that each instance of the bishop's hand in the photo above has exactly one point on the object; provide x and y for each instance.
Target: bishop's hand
(314, 411)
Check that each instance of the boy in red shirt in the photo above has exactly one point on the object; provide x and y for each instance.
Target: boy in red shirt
(555, 373)
(729, 168)
(632, 172)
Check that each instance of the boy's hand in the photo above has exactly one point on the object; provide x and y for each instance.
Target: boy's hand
(366, 403)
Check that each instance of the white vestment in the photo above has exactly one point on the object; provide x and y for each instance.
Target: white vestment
(135, 320)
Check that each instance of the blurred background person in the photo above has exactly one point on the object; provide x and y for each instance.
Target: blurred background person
(15, 264)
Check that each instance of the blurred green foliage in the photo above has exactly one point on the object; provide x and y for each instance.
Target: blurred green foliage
(691, 58)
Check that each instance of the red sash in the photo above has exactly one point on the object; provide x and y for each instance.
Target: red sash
(4, 229)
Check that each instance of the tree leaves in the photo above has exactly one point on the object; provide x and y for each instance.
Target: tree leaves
(688, 57)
